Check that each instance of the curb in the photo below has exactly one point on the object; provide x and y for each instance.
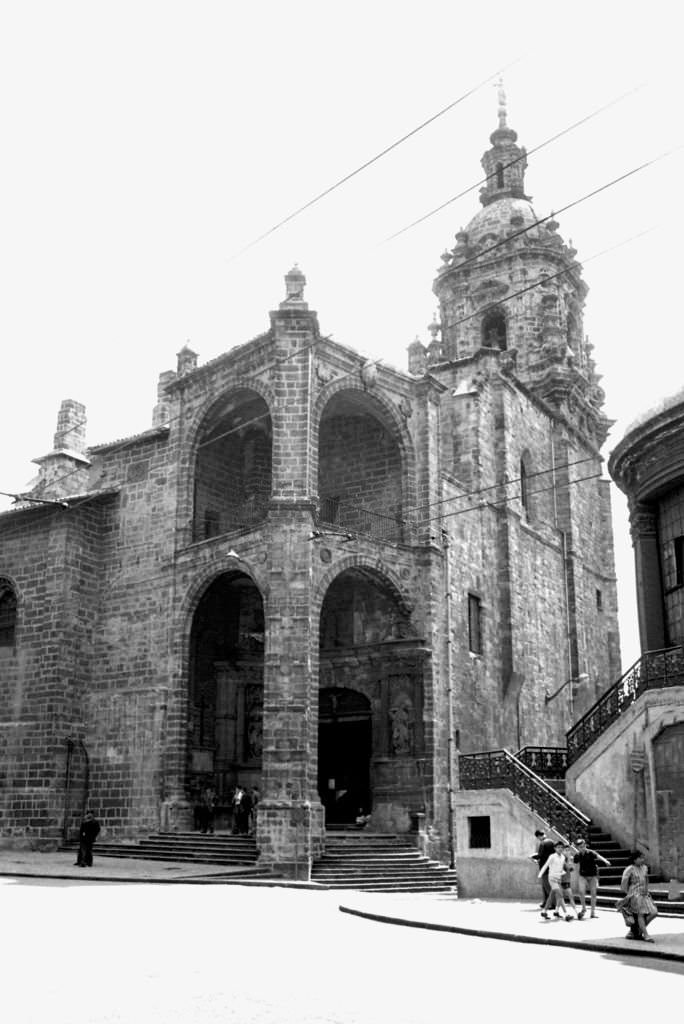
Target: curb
(592, 946)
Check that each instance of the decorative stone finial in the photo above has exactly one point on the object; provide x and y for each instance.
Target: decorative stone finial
(187, 360)
(294, 289)
(435, 327)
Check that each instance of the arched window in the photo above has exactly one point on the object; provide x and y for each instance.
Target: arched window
(494, 330)
(8, 613)
(499, 176)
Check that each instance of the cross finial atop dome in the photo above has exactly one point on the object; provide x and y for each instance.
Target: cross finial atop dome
(501, 94)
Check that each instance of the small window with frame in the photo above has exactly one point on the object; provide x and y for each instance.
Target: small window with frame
(474, 624)
(678, 546)
(480, 832)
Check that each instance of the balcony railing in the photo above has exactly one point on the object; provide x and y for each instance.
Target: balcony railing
(547, 762)
(499, 769)
(355, 519)
(653, 670)
(213, 523)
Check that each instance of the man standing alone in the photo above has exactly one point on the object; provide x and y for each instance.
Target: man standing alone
(88, 833)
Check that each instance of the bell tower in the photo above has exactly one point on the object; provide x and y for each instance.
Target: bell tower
(512, 286)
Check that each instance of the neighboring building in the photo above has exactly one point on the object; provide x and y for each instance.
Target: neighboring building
(320, 575)
(631, 773)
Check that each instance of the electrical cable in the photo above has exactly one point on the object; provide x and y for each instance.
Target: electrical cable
(372, 160)
(524, 155)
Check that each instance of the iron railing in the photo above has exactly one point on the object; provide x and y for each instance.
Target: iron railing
(547, 762)
(355, 519)
(242, 517)
(653, 670)
(499, 769)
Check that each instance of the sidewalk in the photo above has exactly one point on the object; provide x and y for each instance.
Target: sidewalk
(517, 922)
(60, 865)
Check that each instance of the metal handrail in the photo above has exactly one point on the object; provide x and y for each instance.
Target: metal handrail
(544, 785)
(651, 671)
(504, 770)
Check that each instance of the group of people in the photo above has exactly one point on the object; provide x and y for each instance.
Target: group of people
(556, 862)
(243, 804)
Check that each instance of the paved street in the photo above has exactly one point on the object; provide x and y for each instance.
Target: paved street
(89, 953)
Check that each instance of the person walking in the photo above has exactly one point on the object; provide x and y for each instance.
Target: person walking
(566, 877)
(586, 861)
(545, 847)
(637, 906)
(88, 833)
(554, 867)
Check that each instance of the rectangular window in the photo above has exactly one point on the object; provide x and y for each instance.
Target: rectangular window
(480, 832)
(599, 599)
(679, 561)
(474, 624)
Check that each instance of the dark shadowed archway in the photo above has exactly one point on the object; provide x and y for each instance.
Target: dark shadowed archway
(226, 689)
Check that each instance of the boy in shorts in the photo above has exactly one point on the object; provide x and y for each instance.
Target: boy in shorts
(586, 860)
(555, 866)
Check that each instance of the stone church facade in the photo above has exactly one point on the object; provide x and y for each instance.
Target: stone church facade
(320, 575)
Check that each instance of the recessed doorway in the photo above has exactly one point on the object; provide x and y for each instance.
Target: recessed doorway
(344, 751)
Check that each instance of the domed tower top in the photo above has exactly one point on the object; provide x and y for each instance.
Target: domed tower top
(504, 164)
(512, 289)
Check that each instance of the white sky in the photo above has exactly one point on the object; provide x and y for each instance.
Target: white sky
(145, 143)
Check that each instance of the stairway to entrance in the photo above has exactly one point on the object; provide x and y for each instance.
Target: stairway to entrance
(377, 862)
(609, 891)
(186, 847)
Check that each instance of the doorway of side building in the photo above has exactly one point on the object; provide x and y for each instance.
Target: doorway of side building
(344, 752)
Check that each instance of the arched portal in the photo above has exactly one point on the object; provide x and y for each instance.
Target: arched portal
(371, 740)
(233, 466)
(226, 690)
(344, 744)
(360, 468)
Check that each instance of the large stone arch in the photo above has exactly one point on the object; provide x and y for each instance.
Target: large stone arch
(385, 575)
(191, 439)
(367, 646)
(377, 405)
(177, 757)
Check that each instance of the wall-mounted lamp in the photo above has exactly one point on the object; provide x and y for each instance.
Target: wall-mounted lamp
(582, 678)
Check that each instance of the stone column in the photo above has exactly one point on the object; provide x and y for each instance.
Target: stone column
(290, 822)
(649, 585)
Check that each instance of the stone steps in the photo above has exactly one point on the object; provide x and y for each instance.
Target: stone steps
(380, 863)
(189, 847)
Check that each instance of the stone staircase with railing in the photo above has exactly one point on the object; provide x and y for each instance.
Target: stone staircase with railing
(538, 789)
(376, 862)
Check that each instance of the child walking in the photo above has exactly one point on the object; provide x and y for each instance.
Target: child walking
(555, 866)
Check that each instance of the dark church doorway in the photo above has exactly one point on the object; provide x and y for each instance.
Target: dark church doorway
(226, 692)
(344, 752)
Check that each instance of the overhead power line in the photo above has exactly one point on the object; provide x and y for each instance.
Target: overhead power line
(352, 373)
(372, 160)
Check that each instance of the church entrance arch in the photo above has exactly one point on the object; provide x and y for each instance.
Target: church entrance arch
(371, 749)
(344, 744)
(226, 693)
